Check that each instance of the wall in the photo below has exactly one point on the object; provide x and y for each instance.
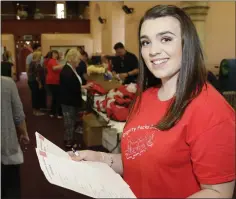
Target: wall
(132, 21)
(219, 37)
(46, 7)
(95, 27)
(7, 7)
(106, 12)
(48, 40)
(8, 41)
(107, 34)
(118, 24)
(34, 27)
(220, 32)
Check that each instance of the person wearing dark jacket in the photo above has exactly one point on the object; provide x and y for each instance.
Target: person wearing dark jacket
(70, 95)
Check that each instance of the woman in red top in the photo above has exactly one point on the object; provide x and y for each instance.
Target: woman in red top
(52, 81)
(179, 140)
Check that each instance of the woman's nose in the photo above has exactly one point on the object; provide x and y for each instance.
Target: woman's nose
(155, 49)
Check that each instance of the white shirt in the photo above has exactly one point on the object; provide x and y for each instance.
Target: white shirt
(79, 78)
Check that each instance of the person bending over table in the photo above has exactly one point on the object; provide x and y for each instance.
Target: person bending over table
(179, 140)
(125, 65)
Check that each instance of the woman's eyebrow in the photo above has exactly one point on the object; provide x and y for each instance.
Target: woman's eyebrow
(158, 34)
(165, 32)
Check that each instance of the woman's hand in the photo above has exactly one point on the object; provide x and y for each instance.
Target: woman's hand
(87, 86)
(40, 86)
(24, 138)
(86, 155)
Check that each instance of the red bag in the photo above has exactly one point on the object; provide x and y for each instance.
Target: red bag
(97, 88)
(123, 101)
(118, 113)
(125, 92)
(102, 105)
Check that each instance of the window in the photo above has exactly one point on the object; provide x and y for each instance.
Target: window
(60, 10)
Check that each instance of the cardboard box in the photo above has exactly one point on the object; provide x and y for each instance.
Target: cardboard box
(109, 140)
(92, 129)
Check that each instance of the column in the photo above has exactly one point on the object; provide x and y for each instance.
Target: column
(197, 10)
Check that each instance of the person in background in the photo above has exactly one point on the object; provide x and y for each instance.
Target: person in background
(106, 62)
(36, 84)
(21, 12)
(47, 58)
(82, 68)
(6, 66)
(7, 55)
(84, 57)
(29, 58)
(12, 123)
(38, 14)
(125, 65)
(45, 62)
(52, 81)
(179, 139)
(71, 96)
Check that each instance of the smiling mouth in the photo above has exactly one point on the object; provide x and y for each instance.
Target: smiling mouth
(159, 61)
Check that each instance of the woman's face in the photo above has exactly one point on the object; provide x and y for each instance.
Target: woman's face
(104, 60)
(55, 56)
(161, 46)
(75, 61)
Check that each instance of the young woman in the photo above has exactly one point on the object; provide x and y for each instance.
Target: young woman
(52, 81)
(179, 140)
(70, 95)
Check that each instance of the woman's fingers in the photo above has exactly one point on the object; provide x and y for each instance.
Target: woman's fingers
(77, 156)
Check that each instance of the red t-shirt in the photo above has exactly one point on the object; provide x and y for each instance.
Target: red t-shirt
(53, 76)
(199, 149)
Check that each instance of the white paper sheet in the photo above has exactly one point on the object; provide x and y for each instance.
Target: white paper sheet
(94, 179)
(47, 146)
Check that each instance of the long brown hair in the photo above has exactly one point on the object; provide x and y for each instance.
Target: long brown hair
(192, 75)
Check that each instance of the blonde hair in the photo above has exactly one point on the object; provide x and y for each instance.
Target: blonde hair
(37, 56)
(72, 55)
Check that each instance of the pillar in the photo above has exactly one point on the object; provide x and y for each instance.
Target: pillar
(197, 10)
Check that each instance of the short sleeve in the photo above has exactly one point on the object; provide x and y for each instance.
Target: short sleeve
(213, 154)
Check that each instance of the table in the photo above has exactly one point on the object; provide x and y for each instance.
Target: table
(119, 126)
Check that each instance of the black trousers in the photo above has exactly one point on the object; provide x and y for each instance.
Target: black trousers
(43, 96)
(38, 96)
(55, 104)
(10, 181)
(35, 94)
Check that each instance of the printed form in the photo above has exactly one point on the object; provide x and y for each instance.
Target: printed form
(94, 179)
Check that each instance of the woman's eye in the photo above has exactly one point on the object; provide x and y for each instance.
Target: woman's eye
(144, 43)
(166, 39)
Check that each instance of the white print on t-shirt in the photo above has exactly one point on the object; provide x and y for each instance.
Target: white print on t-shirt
(136, 147)
(144, 127)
